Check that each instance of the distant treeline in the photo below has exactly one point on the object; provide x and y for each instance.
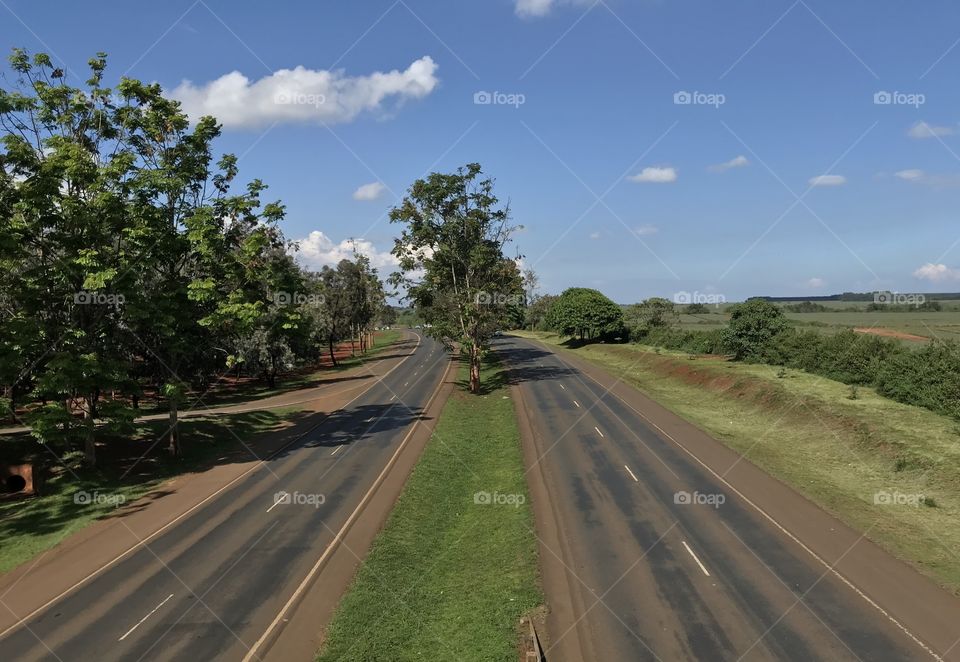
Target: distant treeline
(809, 306)
(862, 297)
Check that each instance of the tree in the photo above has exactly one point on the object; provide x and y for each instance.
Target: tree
(452, 261)
(538, 311)
(585, 313)
(653, 313)
(753, 325)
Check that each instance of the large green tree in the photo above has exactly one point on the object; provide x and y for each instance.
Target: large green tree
(451, 253)
(585, 313)
(753, 325)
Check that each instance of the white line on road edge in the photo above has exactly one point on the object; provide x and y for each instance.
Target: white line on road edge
(631, 474)
(200, 503)
(140, 622)
(336, 450)
(702, 567)
(341, 534)
(576, 403)
(601, 434)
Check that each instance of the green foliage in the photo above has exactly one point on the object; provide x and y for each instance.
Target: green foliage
(649, 315)
(753, 325)
(586, 314)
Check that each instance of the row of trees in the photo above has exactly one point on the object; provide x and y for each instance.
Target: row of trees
(131, 263)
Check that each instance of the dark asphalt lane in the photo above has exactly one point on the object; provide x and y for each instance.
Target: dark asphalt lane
(661, 575)
(210, 586)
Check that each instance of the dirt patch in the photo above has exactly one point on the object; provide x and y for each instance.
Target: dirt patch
(890, 333)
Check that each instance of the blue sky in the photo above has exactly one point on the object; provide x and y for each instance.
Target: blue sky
(617, 185)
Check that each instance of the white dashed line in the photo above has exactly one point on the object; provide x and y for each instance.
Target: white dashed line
(277, 502)
(336, 450)
(631, 474)
(598, 432)
(576, 403)
(702, 567)
(145, 618)
(563, 387)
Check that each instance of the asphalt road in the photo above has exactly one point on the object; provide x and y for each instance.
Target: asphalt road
(210, 586)
(661, 560)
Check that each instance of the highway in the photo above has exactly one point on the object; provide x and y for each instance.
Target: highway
(653, 550)
(213, 585)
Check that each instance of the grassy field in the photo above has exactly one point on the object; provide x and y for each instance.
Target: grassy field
(808, 432)
(32, 526)
(456, 565)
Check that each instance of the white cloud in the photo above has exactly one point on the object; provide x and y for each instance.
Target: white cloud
(655, 176)
(317, 250)
(828, 180)
(370, 191)
(646, 230)
(594, 235)
(936, 273)
(924, 130)
(910, 174)
(736, 162)
(303, 95)
(816, 283)
(537, 8)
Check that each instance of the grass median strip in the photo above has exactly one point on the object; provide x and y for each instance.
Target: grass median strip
(880, 466)
(456, 565)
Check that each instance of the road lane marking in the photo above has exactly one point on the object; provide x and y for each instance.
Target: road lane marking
(631, 474)
(601, 434)
(336, 450)
(393, 398)
(277, 502)
(140, 622)
(699, 563)
(576, 403)
(563, 387)
(405, 383)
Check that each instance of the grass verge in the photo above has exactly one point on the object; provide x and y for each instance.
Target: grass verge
(882, 467)
(448, 577)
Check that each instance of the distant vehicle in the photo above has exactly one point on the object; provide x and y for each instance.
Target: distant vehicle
(497, 334)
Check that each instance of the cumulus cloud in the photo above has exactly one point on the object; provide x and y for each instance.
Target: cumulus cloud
(655, 176)
(303, 95)
(594, 235)
(318, 250)
(646, 230)
(537, 8)
(936, 273)
(816, 283)
(370, 191)
(736, 162)
(924, 130)
(828, 180)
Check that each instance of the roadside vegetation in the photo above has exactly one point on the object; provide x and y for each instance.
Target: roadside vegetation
(888, 469)
(456, 565)
(135, 264)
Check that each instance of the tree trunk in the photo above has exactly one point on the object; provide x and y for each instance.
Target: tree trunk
(174, 435)
(333, 357)
(89, 437)
(474, 369)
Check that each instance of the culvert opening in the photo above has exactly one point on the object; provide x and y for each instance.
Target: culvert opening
(15, 484)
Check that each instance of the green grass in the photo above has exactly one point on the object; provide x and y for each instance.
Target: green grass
(35, 525)
(806, 431)
(449, 578)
